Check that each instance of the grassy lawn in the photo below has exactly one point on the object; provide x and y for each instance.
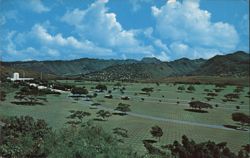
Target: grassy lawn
(57, 109)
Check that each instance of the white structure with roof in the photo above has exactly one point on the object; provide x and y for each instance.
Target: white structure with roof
(17, 78)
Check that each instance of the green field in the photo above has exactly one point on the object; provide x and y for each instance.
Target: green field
(169, 115)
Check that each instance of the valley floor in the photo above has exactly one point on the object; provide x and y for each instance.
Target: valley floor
(160, 108)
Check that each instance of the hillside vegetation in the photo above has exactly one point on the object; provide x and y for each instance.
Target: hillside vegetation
(235, 65)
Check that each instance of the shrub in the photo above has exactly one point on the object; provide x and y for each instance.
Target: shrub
(2, 96)
(241, 118)
(191, 88)
(23, 137)
(79, 90)
(181, 88)
(89, 141)
(199, 105)
(147, 89)
(123, 107)
(190, 149)
(101, 87)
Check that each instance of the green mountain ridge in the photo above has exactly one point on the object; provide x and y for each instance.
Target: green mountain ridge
(235, 64)
(69, 67)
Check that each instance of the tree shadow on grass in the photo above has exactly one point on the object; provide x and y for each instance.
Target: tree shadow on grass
(196, 110)
(27, 103)
(236, 127)
(98, 119)
(149, 141)
(231, 126)
(118, 113)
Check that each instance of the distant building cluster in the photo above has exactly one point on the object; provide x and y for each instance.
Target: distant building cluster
(17, 78)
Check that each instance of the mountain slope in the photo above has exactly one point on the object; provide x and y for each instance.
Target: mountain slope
(236, 64)
(148, 70)
(71, 67)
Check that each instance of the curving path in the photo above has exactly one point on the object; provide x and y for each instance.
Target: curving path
(167, 120)
(174, 103)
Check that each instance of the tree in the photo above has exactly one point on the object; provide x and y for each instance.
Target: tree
(241, 117)
(103, 114)
(199, 105)
(78, 115)
(2, 96)
(191, 88)
(29, 94)
(101, 87)
(23, 137)
(156, 132)
(231, 96)
(237, 107)
(181, 88)
(79, 90)
(212, 94)
(147, 90)
(123, 107)
(190, 149)
(28, 138)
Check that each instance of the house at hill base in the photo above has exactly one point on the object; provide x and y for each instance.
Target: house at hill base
(17, 78)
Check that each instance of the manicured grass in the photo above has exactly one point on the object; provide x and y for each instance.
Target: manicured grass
(57, 109)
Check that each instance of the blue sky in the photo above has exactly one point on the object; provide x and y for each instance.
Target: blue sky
(122, 29)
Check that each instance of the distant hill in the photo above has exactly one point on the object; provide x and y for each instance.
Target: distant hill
(235, 64)
(149, 60)
(67, 68)
(147, 70)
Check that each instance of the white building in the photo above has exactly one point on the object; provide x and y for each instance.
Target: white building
(17, 78)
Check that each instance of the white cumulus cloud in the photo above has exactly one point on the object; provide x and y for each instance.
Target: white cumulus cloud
(101, 27)
(187, 22)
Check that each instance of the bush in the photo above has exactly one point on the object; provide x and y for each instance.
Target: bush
(23, 137)
(181, 88)
(189, 149)
(89, 141)
(2, 96)
(123, 107)
(63, 87)
(79, 90)
(191, 88)
(147, 90)
(101, 87)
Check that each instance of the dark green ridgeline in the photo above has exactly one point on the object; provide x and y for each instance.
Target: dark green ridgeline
(235, 64)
